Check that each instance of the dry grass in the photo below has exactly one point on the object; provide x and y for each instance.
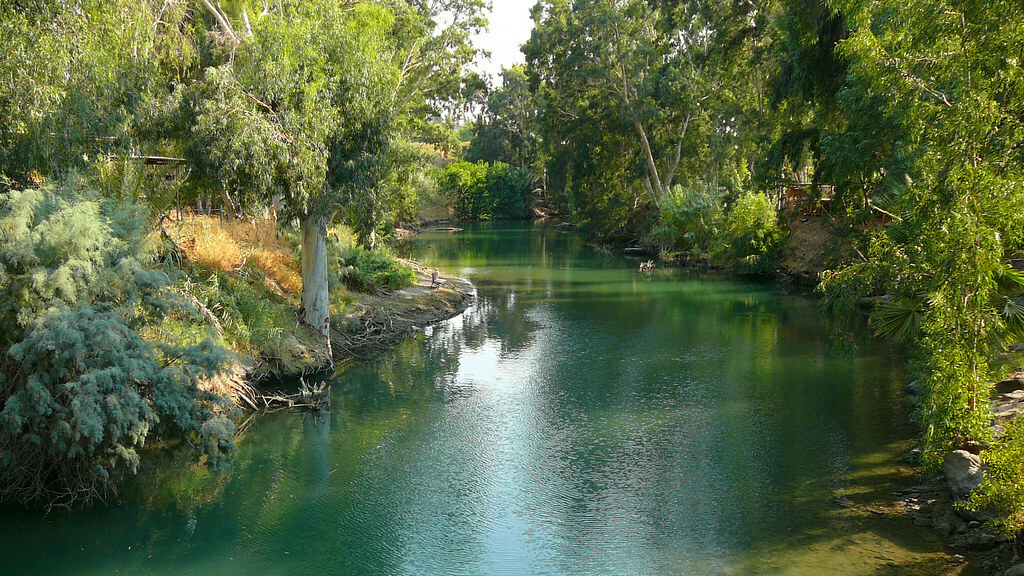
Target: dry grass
(230, 246)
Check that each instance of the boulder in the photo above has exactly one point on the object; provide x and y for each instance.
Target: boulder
(964, 473)
(982, 541)
(1017, 570)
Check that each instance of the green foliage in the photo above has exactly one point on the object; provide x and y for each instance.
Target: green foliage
(939, 80)
(465, 184)
(372, 271)
(618, 130)
(81, 390)
(898, 320)
(255, 321)
(78, 75)
(484, 192)
(752, 235)
(509, 191)
(507, 131)
(690, 219)
(433, 41)
(301, 110)
(746, 236)
(1002, 489)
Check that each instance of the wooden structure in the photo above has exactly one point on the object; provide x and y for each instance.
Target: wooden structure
(798, 198)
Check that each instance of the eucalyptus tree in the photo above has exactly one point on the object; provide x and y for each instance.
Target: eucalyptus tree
(77, 73)
(506, 130)
(430, 42)
(310, 103)
(663, 92)
(599, 51)
(805, 74)
(302, 110)
(433, 44)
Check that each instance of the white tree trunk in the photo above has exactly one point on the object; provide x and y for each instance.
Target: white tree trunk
(315, 293)
(654, 184)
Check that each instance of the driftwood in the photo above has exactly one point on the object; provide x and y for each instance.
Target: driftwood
(312, 397)
(377, 335)
(206, 312)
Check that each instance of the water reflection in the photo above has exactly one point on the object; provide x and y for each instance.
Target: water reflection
(578, 419)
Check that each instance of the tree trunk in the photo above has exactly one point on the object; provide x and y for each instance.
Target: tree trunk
(652, 168)
(315, 294)
(228, 210)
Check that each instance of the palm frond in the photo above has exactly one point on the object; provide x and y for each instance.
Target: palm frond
(898, 320)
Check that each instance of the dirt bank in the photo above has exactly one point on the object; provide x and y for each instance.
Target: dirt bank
(805, 254)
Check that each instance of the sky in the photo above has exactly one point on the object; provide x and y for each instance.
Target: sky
(509, 27)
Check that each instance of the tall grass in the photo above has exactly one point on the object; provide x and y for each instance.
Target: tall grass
(234, 245)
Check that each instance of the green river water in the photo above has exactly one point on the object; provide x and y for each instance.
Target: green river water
(578, 419)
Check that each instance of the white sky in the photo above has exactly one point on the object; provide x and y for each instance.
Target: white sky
(509, 27)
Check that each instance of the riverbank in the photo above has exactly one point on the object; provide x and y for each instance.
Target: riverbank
(243, 278)
(375, 323)
(975, 544)
(930, 502)
(936, 501)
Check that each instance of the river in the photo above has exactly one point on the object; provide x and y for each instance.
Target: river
(579, 419)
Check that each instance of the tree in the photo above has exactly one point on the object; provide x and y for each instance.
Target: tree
(303, 113)
(77, 74)
(433, 44)
(506, 130)
(636, 96)
(939, 73)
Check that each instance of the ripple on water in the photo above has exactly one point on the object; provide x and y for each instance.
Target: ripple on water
(576, 421)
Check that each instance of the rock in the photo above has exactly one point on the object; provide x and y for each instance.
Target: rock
(964, 473)
(974, 516)
(1012, 384)
(1007, 408)
(982, 541)
(1017, 570)
(942, 526)
(842, 502)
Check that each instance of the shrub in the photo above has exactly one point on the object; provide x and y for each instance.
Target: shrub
(752, 235)
(1002, 489)
(484, 191)
(465, 184)
(690, 219)
(253, 318)
(81, 390)
(372, 271)
(508, 189)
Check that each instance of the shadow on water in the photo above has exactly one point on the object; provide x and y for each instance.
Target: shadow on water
(578, 419)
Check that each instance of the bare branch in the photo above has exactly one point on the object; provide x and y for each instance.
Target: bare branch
(221, 20)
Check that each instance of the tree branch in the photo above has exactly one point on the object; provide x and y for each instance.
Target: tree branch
(221, 20)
